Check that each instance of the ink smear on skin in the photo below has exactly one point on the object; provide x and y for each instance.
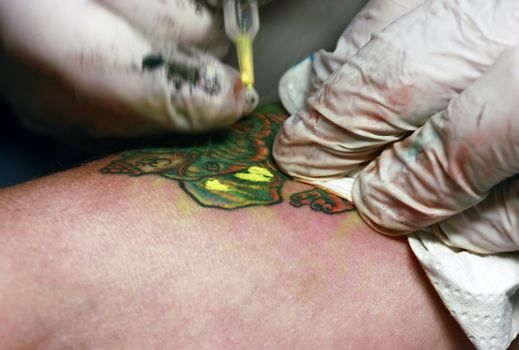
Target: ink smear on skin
(235, 171)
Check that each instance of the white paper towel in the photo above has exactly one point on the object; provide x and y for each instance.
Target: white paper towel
(481, 292)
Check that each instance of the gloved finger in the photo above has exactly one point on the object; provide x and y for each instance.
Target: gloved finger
(204, 93)
(452, 162)
(188, 23)
(489, 227)
(109, 65)
(372, 18)
(394, 83)
(303, 80)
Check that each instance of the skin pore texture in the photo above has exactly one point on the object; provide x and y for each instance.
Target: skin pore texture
(205, 247)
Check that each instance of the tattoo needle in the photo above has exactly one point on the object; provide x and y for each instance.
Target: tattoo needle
(241, 25)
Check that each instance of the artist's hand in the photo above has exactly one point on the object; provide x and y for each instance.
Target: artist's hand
(118, 67)
(438, 90)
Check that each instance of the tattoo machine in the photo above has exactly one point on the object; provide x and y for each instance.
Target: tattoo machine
(241, 25)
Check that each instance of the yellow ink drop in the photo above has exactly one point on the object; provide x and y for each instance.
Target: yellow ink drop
(215, 185)
(256, 174)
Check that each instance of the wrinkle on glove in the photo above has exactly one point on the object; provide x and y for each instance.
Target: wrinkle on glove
(394, 83)
(452, 162)
(371, 19)
(306, 78)
(487, 228)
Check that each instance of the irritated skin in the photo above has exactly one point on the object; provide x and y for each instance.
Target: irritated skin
(95, 261)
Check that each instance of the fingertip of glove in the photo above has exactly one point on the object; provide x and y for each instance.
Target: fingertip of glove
(250, 100)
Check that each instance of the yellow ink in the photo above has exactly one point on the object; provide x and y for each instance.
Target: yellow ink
(215, 185)
(244, 47)
(256, 174)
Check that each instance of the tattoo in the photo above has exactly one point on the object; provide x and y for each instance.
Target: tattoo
(320, 200)
(233, 170)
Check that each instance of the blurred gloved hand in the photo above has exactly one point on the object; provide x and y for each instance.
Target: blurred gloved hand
(118, 67)
(437, 92)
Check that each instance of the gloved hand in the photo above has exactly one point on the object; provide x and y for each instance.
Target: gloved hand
(438, 89)
(118, 67)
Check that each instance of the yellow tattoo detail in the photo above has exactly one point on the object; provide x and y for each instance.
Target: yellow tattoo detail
(232, 170)
(215, 185)
(256, 174)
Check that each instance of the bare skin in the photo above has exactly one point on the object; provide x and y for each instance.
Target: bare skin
(95, 261)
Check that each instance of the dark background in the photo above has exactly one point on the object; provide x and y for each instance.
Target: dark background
(25, 155)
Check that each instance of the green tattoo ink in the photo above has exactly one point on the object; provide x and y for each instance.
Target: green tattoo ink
(235, 170)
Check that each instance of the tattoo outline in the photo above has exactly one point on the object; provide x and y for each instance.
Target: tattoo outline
(234, 170)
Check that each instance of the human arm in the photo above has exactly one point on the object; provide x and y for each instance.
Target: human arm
(94, 257)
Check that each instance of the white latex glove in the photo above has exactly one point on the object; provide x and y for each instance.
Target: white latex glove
(456, 61)
(303, 80)
(118, 67)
